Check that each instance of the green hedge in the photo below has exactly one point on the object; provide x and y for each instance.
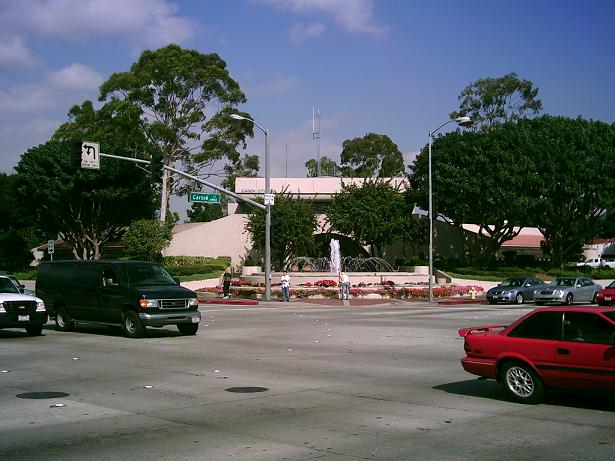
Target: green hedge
(188, 265)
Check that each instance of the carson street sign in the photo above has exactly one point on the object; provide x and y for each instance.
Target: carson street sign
(198, 197)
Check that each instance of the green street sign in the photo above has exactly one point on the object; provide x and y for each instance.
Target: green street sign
(198, 197)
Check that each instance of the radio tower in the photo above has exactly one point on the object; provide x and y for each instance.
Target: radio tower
(316, 136)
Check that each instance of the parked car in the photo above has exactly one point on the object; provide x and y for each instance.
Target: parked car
(514, 289)
(130, 294)
(597, 263)
(568, 290)
(18, 310)
(568, 347)
(606, 296)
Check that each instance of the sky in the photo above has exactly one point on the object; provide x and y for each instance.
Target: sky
(393, 67)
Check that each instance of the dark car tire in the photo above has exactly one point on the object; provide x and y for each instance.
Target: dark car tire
(522, 383)
(492, 301)
(519, 298)
(595, 298)
(131, 325)
(34, 330)
(188, 329)
(569, 299)
(63, 321)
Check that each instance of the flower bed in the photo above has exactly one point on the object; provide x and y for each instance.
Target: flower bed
(386, 291)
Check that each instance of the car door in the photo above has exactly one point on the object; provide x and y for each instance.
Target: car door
(586, 352)
(529, 286)
(81, 299)
(111, 294)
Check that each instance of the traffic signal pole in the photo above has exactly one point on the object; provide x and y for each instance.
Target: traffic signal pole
(191, 177)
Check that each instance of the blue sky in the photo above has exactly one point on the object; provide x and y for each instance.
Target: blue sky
(393, 67)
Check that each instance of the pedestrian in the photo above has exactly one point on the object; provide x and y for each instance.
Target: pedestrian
(285, 286)
(345, 285)
(226, 285)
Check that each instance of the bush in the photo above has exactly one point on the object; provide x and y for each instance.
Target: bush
(145, 239)
(189, 265)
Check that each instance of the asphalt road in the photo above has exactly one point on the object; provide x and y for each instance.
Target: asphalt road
(342, 383)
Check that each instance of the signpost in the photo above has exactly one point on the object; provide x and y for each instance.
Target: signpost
(90, 155)
(198, 197)
(50, 248)
(269, 198)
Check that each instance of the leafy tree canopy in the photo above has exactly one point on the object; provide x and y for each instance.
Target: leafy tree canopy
(328, 167)
(493, 101)
(145, 239)
(205, 212)
(374, 214)
(86, 208)
(293, 224)
(371, 155)
(183, 99)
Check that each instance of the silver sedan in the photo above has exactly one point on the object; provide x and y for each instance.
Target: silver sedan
(568, 290)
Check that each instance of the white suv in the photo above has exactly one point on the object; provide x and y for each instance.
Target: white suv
(18, 310)
(597, 262)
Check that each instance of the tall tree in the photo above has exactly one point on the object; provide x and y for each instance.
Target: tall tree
(371, 155)
(374, 214)
(177, 94)
(293, 224)
(328, 167)
(492, 101)
(86, 208)
(16, 227)
(577, 172)
(205, 212)
(482, 178)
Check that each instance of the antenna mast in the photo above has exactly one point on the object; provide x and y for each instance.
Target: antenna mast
(316, 136)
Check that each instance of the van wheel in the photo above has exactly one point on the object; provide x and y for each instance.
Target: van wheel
(34, 330)
(188, 329)
(63, 321)
(132, 326)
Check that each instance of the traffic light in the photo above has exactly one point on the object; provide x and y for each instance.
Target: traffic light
(75, 153)
(156, 166)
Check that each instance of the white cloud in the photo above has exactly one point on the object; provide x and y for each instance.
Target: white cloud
(150, 22)
(300, 31)
(76, 77)
(353, 15)
(26, 99)
(15, 54)
(19, 137)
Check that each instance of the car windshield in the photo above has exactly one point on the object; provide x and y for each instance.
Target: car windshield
(6, 286)
(148, 274)
(611, 285)
(564, 282)
(512, 283)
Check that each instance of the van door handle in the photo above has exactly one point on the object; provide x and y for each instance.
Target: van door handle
(563, 351)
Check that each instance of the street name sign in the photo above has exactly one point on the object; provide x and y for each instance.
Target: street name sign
(198, 197)
(90, 155)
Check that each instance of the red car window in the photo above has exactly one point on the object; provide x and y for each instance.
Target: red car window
(587, 327)
(542, 325)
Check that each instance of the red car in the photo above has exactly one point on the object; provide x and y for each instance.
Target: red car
(606, 296)
(568, 347)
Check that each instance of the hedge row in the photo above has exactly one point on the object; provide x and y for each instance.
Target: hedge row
(189, 265)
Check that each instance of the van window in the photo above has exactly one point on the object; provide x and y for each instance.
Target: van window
(148, 274)
(86, 275)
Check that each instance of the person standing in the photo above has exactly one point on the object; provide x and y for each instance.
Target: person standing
(226, 285)
(285, 287)
(345, 284)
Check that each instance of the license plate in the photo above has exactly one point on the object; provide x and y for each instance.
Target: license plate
(607, 298)
(23, 318)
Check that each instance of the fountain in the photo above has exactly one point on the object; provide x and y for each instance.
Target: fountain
(346, 264)
(335, 260)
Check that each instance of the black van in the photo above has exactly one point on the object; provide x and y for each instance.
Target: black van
(130, 294)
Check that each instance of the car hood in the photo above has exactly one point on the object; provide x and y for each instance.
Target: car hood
(18, 297)
(163, 291)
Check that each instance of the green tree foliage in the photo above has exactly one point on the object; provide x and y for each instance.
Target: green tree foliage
(492, 101)
(16, 227)
(176, 94)
(245, 167)
(86, 208)
(577, 169)
(371, 155)
(146, 238)
(205, 212)
(374, 214)
(480, 178)
(293, 224)
(328, 167)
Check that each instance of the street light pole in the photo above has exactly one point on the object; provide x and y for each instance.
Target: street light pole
(268, 207)
(461, 121)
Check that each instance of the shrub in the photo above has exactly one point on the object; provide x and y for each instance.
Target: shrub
(189, 265)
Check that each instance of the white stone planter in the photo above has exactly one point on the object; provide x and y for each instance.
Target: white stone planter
(250, 270)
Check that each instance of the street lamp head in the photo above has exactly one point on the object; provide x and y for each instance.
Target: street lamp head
(238, 117)
(463, 121)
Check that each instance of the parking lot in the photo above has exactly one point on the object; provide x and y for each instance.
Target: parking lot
(284, 382)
